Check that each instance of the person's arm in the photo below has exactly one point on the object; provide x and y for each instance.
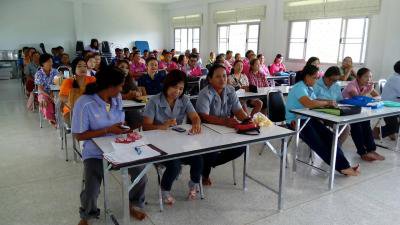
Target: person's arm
(374, 93)
(148, 124)
(346, 74)
(114, 129)
(196, 122)
(222, 121)
(310, 103)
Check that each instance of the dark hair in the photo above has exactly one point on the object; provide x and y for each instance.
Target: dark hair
(60, 47)
(193, 55)
(119, 62)
(173, 78)
(34, 53)
(92, 43)
(135, 53)
(126, 49)
(307, 70)
(259, 56)
(248, 52)
(89, 56)
(44, 58)
(396, 67)
(150, 59)
(74, 64)
(219, 58)
(278, 56)
(229, 52)
(180, 58)
(145, 51)
(253, 61)
(172, 49)
(213, 68)
(134, 48)
(362, 71)
(311, 60)
(236, 62)
(108, 77)
(118, 50)
(332, 71)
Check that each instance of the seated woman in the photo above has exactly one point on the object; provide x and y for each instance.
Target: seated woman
(263, 68)
(211, 60)
(166, 110)
(391, 92)
(30, 71)
(130, 91)
(361, 132)
(246, 61)
(347, 72)
(327, 88)
(221, 60)
(194, 69)
(183, 64)
(167, 64)
(137, 68)
(239, 81)
(99, 113)
(315, 62)
(218, 103)
(64, 61)
(44, 77)
(315, 134)
(91, 64)
(277, 66)
(256, 77)
(99, 62)
(72, 88)
(153, 80)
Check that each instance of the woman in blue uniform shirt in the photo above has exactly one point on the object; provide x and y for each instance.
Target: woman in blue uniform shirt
(315, 134)
(99, 113)
(168, 109)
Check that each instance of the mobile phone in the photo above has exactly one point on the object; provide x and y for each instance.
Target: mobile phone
(179, 129)
(66, 73)
(124, 127)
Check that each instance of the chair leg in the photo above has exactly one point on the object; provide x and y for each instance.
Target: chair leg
(40, 118)
(234, 172)
(66, 146)
(201, 189)
(62, 138)
(159, 189)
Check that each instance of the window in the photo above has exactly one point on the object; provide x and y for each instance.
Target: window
(186, 38)
(329, 39)
(238, 37)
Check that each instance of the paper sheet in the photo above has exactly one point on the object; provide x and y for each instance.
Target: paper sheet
(220, 129)
(124, 153)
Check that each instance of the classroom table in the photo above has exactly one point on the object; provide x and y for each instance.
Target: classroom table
(262, 92)
(54, 88)
(180, 145)
(339, 124)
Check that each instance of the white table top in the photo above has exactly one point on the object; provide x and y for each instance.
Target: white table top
(263, 92)
(366, 114)
(182, 144)
(277, 77)
(132, 104)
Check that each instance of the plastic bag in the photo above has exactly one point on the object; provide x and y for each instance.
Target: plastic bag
(262, 120)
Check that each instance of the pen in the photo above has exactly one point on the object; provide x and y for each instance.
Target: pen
(138, 150)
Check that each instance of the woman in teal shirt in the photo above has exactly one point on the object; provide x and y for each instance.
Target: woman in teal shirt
(315, 134)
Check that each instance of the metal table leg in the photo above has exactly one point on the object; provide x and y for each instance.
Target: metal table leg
(106, 178)
(333, 155)
(245, 167)
(282, 174)
(125, 195)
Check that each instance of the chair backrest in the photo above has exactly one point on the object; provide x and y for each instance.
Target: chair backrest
(142, 45)
(203, 82)
(204, 71)
(292, 78)
(79, 47)
(105, 47)
(381, 84)
(276, 106)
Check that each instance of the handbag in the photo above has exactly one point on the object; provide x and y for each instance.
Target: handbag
(363, 101)
(341, 110)
(247, 127)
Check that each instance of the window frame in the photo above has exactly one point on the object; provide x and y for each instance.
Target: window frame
(343, 33)
(248, 24)
(187, 29)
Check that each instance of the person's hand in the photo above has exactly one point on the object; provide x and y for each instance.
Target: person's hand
(116, 129)
(196, 128)
(138, 93)
(231, 122)
(332, 104)
(170, 123)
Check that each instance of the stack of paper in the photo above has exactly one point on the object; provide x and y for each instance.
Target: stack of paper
(125, 153)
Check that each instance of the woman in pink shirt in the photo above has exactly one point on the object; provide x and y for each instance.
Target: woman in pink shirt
(194, 68)
(229, 57)
(167, 64)
(256, 77)
(315, 62)
(183, 64)
(277, 66)
(246, 61)
(137, 68)
(263, 68)
(361, 132)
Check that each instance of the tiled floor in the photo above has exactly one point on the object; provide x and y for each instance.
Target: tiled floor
(38, 187)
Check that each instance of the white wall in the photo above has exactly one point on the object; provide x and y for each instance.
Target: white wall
(31, 22)
(383, 48)
(63, 22)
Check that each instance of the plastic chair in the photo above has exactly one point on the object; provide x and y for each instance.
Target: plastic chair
(381, 85)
